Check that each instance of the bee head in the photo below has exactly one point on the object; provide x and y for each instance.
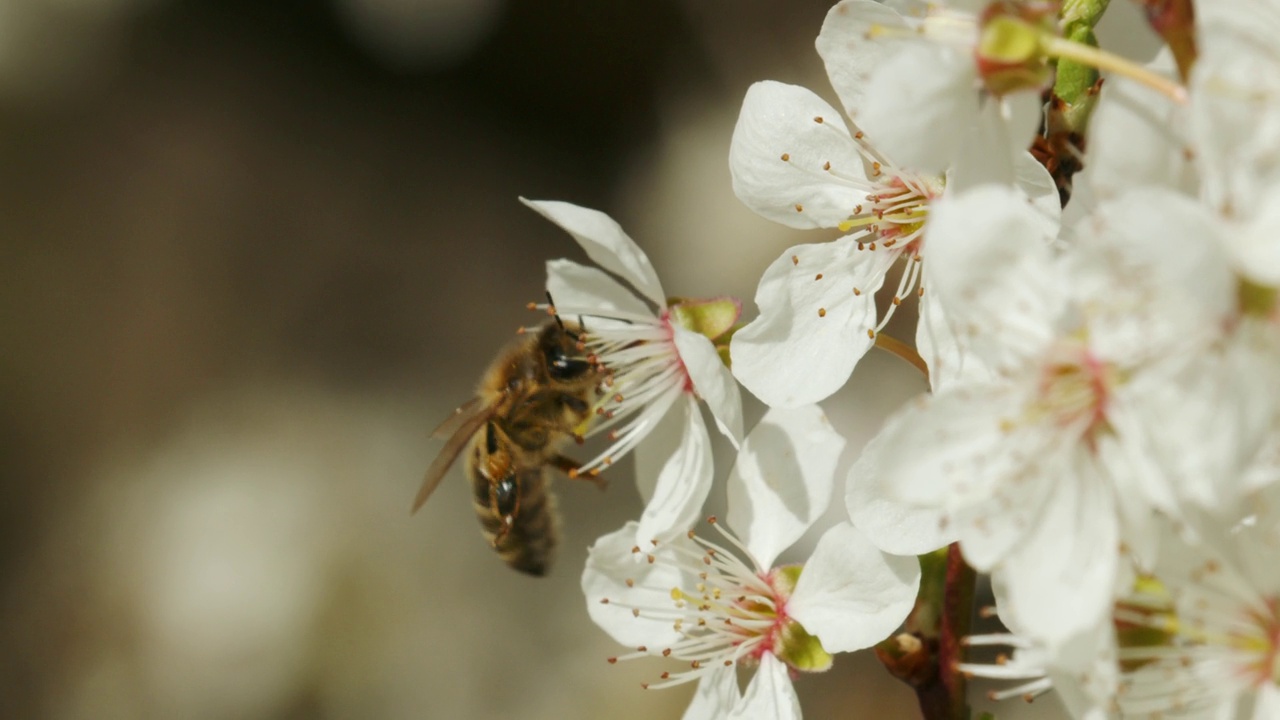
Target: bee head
(560, 348)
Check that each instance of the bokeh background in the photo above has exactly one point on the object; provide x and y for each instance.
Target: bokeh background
(253, 252)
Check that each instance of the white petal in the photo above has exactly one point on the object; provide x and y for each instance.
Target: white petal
(790, 168)
(1256, 246)
(1037, 184)
(716, 695)
(948, 362)
(660, 441)
(988, 261)
(811, 330)
(610, 564)
(1150, 277)
(578, 289)
(894, 526)
(982, 153)
(852, 59)
(850, 594)
(915, 102)
(770, 695)
(605, 243)
(781, 482)
(712, 381)
(1137, 137)
(951, 453)
(683, 480)
(1022, 114)
(1061, 577)
(1236, 118)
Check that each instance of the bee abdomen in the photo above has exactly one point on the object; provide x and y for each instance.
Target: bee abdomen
(529, 545)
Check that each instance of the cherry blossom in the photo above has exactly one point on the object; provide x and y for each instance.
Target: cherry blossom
(658, 363)
(713, 604)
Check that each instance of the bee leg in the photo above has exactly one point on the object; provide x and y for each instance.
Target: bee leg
(503, 530)
(570, 467)
(575, 403)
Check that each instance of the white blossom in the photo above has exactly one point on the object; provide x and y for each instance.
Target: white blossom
(711, 605)
(795, 161)
(657, 370)
(1043, 470)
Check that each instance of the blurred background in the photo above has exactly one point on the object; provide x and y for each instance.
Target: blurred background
(254, 251)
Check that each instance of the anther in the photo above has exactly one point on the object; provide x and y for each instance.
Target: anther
(604, 601)
(799, 207)
(795, 259)
(631, 582)
(666, 652)
(856, 291)
(897, 300)
(871, 334)
(635, 612)
(817, 277)
(818, 119)
(786, 157)
(531, 306)
(822, 312)
(827, 166)
(613, 661)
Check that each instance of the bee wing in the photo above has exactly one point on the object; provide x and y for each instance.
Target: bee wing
(459, 416)
(465, 422)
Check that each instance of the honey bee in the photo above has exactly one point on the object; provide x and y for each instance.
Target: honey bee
(531, 400)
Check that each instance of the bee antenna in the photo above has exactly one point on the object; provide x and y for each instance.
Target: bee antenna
(555, 314)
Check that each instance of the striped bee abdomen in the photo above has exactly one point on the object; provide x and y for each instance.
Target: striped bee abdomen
(528, 544)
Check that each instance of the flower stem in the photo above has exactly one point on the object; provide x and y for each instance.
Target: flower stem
(957, 619)
(1110, 62)
(928, 652)
(902, 350)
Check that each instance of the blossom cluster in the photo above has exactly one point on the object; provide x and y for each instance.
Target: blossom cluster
(1102, 433)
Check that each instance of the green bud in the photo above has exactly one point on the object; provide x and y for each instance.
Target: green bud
(1009, 40)
(801, 650)
(1257, 300)
(712, 318)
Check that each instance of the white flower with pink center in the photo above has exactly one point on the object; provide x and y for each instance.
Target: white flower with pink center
(711, 605)
(1043, 470)
(1201, 637)
(795, 161)
(659, 361)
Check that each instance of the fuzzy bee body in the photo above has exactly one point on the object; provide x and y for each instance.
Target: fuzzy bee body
(535, 397)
